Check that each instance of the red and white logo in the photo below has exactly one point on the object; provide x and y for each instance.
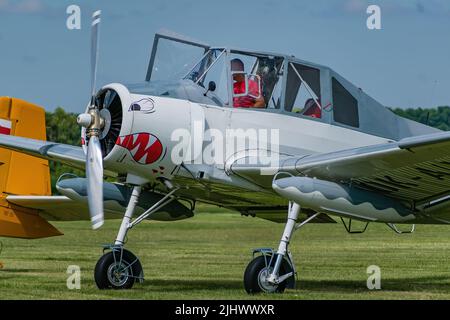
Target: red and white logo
(145, 148)
(5, 127)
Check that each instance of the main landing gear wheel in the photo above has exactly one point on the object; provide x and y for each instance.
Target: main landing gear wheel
(274, 270)
(117, 269)
(257, 272)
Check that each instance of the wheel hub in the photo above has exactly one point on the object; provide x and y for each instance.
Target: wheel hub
(265, 285)
(118, 273)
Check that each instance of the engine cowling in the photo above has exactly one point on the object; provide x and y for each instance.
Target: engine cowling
(137, 137)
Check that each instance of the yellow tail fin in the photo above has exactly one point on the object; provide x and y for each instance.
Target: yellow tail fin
(21, 174)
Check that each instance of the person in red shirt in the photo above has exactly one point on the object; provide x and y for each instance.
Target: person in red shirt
(254, 98)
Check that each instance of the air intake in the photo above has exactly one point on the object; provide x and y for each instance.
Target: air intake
(111, 110)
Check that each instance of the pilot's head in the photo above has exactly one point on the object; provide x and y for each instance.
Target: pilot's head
(237, 66)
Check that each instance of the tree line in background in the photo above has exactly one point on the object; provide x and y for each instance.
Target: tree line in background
(62, 127)
(438, 117)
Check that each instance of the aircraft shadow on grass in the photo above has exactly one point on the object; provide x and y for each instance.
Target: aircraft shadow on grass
(439, 283)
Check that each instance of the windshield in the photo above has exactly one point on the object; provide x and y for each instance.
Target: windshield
(211, 73)
(174, 59)
(199, 72)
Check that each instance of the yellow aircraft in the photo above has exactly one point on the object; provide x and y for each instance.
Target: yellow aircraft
(21, 174)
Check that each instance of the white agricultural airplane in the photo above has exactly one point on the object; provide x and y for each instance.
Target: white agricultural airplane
(314, 146)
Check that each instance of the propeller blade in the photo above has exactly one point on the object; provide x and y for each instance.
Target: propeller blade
(94, 50)
(94, 175)
(110, 96)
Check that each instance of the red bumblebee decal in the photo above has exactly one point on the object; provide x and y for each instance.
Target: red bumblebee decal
(145, 148)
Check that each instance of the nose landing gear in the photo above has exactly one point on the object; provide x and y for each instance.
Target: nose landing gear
(120, 268)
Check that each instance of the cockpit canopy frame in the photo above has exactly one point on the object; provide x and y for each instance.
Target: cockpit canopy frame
(326, 97)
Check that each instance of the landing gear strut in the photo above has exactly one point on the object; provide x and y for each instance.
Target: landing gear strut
(272, 272)
(120, 268)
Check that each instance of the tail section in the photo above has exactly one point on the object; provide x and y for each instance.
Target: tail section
(22, 174)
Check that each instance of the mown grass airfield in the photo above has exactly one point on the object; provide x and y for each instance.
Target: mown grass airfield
(203, 257)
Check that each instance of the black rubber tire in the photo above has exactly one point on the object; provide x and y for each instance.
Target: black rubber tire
(251, 274)
(105, 261)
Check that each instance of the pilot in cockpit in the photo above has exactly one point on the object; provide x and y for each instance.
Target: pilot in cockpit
(247, 91)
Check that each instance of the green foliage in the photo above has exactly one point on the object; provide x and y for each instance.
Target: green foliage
(438, 118)
(62, 127)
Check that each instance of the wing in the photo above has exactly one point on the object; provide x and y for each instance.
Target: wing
(62, 208)
(71, 155)
(116, 198)
(53, 207)
(415, 170)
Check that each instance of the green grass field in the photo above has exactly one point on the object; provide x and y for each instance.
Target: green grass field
(204, 258)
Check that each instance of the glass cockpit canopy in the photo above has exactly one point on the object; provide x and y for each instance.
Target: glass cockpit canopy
(248, 79)
(175, 57)
(257, 82)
